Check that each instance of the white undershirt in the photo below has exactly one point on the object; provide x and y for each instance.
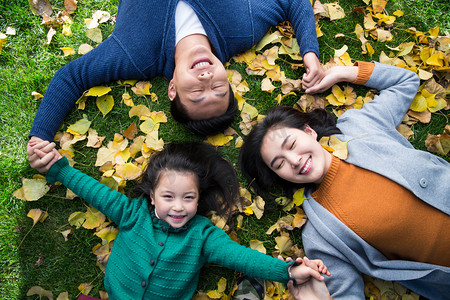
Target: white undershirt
(186, 22)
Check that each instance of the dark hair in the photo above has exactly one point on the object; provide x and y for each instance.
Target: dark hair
(257, 173)
(218, 184)
(206, 126)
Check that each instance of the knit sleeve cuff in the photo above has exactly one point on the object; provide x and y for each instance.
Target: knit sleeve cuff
(364, 71)
(55, 169)
(293, 264)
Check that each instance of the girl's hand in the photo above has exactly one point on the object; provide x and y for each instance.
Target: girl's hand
(320, 266)
(36, 143)
(314, 71)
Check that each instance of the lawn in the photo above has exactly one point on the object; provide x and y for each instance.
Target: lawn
(39, 255)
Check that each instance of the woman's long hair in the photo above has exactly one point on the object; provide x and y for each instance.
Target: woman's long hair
(218, 184)
(257, 173)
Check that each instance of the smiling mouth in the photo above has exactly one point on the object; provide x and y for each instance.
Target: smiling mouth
(201, 63)
(306, 167)
(177, 218)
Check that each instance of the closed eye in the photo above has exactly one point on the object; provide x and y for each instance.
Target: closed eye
(280, 165)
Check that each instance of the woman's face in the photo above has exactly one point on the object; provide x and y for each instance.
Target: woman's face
(295, 155)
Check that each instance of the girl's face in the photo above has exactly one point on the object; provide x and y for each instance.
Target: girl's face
(175, 197)
(295, 155)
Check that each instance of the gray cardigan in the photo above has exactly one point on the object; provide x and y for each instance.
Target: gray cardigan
(377, 146)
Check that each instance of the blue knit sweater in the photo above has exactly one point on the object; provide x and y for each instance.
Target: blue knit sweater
(152, 260)
(143, 46)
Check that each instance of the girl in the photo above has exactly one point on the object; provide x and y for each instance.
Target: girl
(165, 238)
(384, 211)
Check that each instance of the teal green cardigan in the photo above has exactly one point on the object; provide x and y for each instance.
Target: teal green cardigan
(152, 260)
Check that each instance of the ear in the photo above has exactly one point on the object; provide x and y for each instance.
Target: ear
(171, 92)
(152, 197)
(310, 131)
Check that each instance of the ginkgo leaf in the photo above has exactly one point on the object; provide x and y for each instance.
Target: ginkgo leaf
(142, 111)
(267, 86)
(158, 116)
(148, 126)
(68, 51)
(85, 288)
(439, 143)
(258, 246)
(398, 13)
(105, 104)
(257, 207)
(284, 243)
(84, 48)
(67, 31)
(219, 139)
(37, 215)
(298, 197)
(127, 99)
(66, 233)
(142, 88)
(77, 219)
(70, 6)
(40, 7)
(51, 32)
(37, 290)
(94, 140)
(95, 34)
(108, 234)
(128, 171)
(131, 131)
(94, 218)
(63, 296)
(299, 218)
(80, 127)
(419, 103)
(98, 91)
(335, 11)
(250, 110)
(340, 147)
(32, 189)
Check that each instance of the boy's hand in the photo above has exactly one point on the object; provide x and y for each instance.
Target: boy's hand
(314, 71)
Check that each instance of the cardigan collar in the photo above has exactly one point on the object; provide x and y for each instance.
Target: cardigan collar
(158, 223)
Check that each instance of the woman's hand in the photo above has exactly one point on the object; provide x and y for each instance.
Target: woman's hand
(334, 75)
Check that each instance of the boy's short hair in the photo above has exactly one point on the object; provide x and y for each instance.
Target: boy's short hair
(207, 126)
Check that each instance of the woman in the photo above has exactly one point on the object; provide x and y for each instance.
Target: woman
(384, 211)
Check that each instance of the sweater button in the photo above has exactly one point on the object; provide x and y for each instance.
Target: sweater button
(143, 284)
(152, 262)
(423, 182)
(164, 229)
(161, 243)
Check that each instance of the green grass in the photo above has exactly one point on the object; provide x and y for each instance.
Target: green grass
(27, 65)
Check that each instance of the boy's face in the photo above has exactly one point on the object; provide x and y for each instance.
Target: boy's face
(201, 82)
(175, 197)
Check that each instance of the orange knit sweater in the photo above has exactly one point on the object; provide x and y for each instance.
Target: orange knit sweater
(385, 214)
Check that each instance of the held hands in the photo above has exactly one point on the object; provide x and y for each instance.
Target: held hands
(332, 76)
(41, 154)
(310, 284)
(308, 269)
(314, 71)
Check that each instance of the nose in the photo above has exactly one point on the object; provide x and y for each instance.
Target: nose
(293, 160)
(205, 75)
(178, 205)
